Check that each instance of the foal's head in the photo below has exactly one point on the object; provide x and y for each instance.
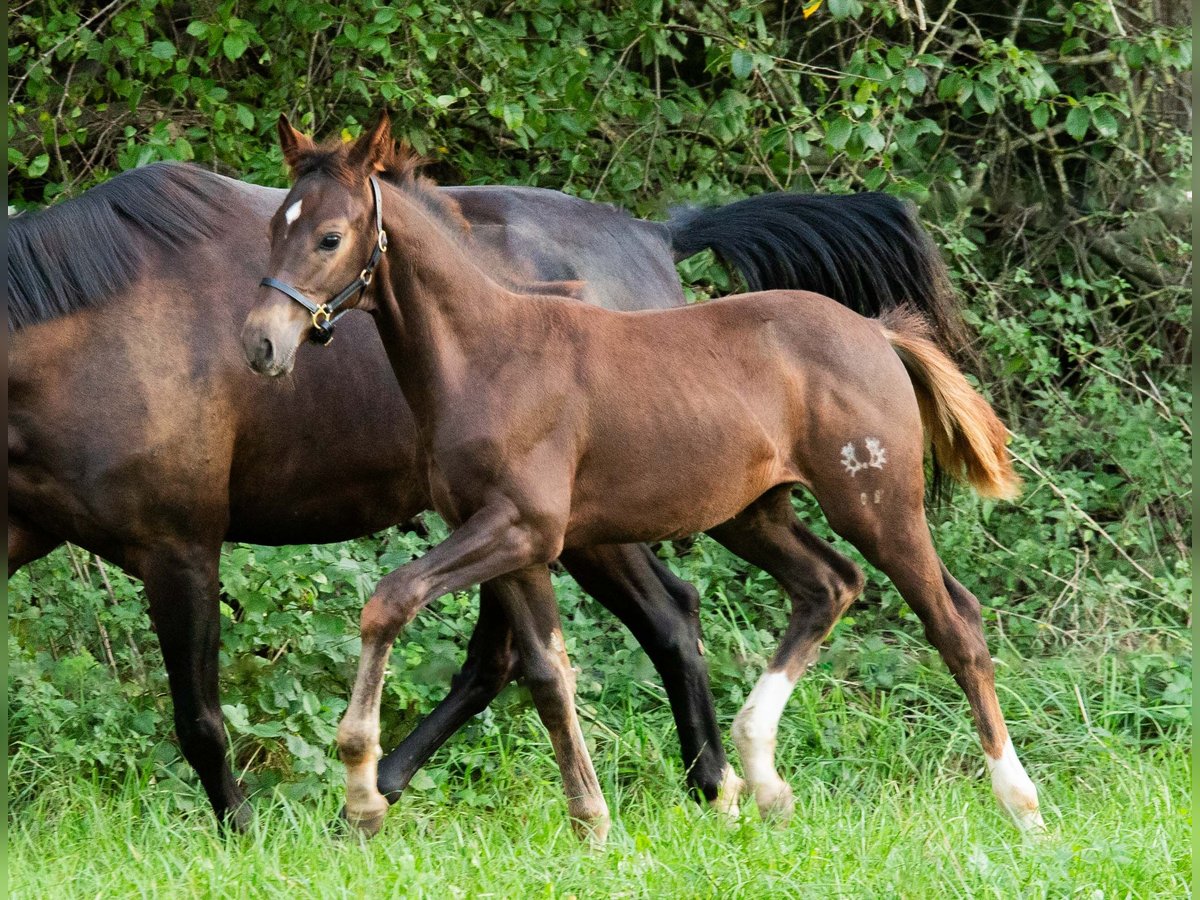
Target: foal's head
(324, 239)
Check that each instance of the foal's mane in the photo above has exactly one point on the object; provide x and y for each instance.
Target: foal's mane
(78, 254)
(401, 167)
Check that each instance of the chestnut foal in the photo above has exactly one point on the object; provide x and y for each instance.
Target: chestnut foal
(549, 425)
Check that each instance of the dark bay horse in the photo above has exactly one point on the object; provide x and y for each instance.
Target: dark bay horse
(150, 444)
(549, 425)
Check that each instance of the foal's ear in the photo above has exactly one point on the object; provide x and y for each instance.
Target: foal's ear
(293, 143)
(373, 146)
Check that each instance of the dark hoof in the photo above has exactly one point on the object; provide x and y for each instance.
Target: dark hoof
(238, 820)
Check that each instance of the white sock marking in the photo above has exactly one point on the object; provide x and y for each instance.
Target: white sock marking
(729, 793)
(754, 731)
(1014, 789)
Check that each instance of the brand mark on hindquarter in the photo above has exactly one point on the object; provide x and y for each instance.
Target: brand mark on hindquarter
(875, 450)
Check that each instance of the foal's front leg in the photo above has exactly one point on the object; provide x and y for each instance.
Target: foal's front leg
(528, 599)
(492, 542)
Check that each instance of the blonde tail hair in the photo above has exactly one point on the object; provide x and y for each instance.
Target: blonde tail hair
(968, 437)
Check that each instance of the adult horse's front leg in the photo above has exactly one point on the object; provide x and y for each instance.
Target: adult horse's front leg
(663, 613)
(491, 663)
(182, 587)
(25, 544)
(493, 542)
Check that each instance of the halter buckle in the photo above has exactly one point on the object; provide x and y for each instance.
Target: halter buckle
(322, 318)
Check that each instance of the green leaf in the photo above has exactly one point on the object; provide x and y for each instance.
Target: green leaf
(1105, 121)
(198, 29)
(38, 166)
(838, 132)
(985, 96)
(162, 50)
(874, 178)
(914, 80)
(670, 111)
(422, 782)
(741, 63)
(1077, 122)
(1040, 115)
(234, 45)
(842, 9)
(948, 86)
(871, 137)
(245, 117)
(513, 115)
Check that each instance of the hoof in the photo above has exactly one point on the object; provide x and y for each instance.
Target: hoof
(775, 802)
(591, 827)
(364, 822)
(729, 794)
(239, 819)
(1031, 825)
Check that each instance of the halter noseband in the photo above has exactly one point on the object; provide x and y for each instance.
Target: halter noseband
(325, 315)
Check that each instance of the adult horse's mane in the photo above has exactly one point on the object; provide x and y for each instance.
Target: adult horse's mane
(78, 254)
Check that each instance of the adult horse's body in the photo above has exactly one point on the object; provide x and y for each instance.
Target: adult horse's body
(151, 443)
(548, 425)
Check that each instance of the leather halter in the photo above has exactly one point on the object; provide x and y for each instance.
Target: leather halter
(325, 315)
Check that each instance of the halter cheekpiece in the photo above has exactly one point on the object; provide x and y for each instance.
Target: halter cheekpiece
(325, 315)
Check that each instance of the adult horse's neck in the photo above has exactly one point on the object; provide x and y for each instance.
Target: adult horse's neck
(438, 313)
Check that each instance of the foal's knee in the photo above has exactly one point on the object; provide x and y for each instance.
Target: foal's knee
(393, 605)
(552, 686)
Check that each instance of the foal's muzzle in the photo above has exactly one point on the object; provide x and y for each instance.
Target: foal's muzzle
(271, 337)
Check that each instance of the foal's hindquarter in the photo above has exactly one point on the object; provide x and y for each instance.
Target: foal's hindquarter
(553, 426)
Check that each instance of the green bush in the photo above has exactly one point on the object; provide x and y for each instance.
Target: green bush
(1048, 149)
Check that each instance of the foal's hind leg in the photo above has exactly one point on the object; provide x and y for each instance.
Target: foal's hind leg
(896, 540)
(822, 584)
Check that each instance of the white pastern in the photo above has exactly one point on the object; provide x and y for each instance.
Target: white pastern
(292, 214)
(729, 793)
(754, 731)
(1014, 789)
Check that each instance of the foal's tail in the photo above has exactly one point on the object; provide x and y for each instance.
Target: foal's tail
(867, 251)
(968, 437)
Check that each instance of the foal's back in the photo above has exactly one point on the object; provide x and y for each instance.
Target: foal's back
(693, 413)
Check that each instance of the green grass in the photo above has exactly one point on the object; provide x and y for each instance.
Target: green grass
(892, 801)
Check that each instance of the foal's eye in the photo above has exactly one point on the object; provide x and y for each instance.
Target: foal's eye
(330, 242)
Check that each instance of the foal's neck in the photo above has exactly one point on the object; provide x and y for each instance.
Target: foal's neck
(442, 314)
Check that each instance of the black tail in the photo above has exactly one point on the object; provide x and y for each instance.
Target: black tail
(867, 251)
